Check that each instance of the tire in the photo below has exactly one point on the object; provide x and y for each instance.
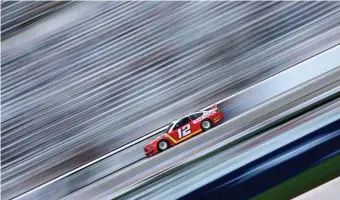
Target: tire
(206, 125)
(163, 145)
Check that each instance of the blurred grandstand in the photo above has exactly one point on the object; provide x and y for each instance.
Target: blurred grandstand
(18, 15)
(127, 68)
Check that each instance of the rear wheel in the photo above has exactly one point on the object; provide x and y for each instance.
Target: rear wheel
(206, 125)
(163, 145)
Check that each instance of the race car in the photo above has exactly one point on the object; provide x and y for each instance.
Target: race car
(183, 129)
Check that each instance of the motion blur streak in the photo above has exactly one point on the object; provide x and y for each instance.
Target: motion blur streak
(125, 69)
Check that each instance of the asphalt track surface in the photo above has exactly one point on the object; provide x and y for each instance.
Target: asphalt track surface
(299, 155)
(294, 139)
(79, 98)
(145, 169)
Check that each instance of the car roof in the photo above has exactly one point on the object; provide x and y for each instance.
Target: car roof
(192, 114)
(175, 121)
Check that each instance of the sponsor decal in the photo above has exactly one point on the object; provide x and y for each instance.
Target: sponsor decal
(204, 116)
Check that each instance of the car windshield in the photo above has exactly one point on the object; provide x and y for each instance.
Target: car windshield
(168, 129)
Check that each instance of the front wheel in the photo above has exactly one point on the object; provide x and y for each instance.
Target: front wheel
(163, 145)
(206, 125)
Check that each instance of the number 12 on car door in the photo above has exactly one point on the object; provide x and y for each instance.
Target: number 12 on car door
(184, 131)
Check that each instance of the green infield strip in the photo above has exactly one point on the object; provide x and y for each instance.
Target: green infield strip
(305, 181)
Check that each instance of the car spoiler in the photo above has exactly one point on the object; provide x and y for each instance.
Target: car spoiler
(214, 106)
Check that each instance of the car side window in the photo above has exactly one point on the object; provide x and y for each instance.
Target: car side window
(169, 127)
(182, 122)
(196, 115)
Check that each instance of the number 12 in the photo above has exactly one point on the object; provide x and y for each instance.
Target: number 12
(184, 131)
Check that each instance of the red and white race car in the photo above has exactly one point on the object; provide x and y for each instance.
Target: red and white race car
(183, 129)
